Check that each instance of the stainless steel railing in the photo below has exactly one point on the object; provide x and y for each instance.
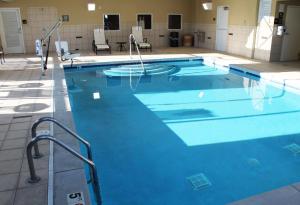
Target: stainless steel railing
(34, 178)
(132, 39)
(35, 125)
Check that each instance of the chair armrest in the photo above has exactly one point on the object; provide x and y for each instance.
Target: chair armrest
(62, 52)
(93, 45)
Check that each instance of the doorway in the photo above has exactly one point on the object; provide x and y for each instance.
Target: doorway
(222, 28)
(291, 44)
(11, 31)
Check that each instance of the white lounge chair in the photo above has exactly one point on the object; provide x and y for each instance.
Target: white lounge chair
(100, 43)
(62, 50)
(142, 43)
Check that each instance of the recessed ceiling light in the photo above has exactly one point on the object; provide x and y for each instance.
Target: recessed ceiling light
(207, 6)
(91, 6)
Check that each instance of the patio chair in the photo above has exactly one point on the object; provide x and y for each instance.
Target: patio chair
(62, 50)
(99, 42)
(142, 43)
(2, 55)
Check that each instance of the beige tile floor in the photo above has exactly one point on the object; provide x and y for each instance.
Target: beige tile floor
(25, 96)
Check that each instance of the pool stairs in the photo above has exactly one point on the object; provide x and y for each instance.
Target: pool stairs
(136, 70)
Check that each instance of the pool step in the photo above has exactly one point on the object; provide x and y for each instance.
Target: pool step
(136, 70)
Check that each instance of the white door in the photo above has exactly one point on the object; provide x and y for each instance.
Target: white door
(222, 28)
(11, 30)
(291, 43)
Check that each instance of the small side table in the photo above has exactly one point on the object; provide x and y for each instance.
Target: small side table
(121, 45)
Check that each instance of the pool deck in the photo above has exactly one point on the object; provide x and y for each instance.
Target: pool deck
(26, 96)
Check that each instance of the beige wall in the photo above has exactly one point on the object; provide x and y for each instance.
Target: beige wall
(241, 12)
(242, 24)
(41, 14)
(242, 21)
(77, 9)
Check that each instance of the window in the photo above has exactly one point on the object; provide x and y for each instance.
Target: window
(145, 21)
(111, 22)
(174, 21)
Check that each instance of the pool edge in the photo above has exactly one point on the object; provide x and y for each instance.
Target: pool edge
(68, 172)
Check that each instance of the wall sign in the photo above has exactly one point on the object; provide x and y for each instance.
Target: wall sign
(65, 18)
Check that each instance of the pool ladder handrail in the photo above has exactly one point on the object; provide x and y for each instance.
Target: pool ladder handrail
(35, 125)
(132, 40)
(37, 153)
(34, 178)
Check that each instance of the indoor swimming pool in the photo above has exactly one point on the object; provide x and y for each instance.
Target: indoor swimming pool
(193, 135)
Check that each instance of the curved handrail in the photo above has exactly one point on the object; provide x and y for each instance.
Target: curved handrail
(50, 119)
(34, 178)
(132, 37)
(37, 153)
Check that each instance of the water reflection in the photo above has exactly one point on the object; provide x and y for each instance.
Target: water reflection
(257, 91)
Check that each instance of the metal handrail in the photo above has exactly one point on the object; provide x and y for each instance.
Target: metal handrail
(34, 178)
(132, 39)
(52, 29)
(37, 153)
(50, 119)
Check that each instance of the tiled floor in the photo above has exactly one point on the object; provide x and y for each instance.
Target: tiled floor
(25, 96)
(22, 94)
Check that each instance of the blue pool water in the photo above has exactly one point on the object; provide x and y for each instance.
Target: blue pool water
(149, 135)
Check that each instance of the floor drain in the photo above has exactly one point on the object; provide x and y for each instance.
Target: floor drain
(294, 148)
(199, 181)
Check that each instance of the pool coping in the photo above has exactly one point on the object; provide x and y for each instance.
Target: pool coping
(66, 173)
(216, 62)
(131, 61)
(221, 64)
(270, 78)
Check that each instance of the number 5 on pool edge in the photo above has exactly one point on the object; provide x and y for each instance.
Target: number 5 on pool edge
(75, 198)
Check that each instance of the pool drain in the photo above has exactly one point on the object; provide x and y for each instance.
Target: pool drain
(199, 181)
(294, 148)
